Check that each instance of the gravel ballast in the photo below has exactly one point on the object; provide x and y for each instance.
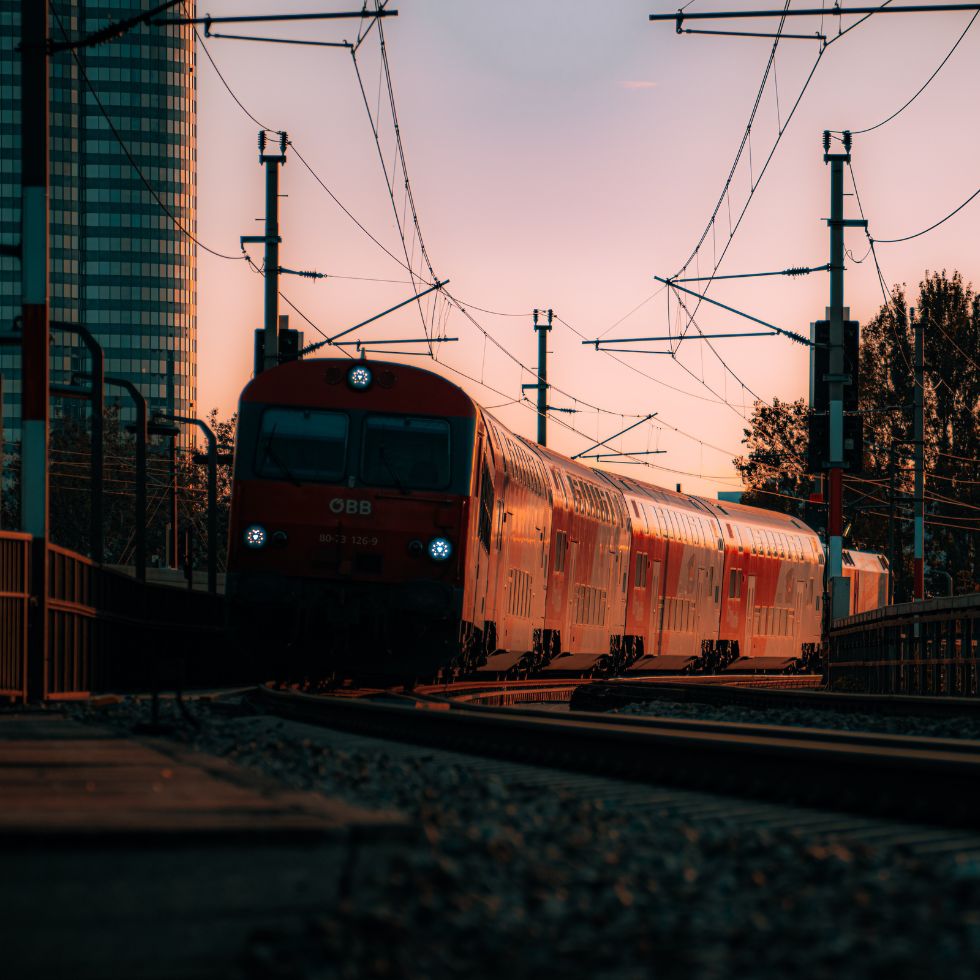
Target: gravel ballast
(518, 874)
(964, 727)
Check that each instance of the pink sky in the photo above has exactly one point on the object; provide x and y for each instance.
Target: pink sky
(561, 154)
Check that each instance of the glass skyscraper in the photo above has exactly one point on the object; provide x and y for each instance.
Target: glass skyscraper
(119, 264)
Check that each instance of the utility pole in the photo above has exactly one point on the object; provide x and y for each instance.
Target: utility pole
(918, 438)
(173, 537)
(35, 367)
(272, 162)
(836, 376)
(892, 558)
(542, 331)
(211, 459)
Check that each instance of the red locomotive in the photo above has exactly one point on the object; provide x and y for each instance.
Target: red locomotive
(383, 522)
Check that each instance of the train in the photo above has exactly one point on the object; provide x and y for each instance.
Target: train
(382, 522)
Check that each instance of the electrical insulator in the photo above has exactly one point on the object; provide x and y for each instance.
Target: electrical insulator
(261, 141)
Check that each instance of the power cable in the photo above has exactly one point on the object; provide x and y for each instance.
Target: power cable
(755, 183)
(636, 370)
(457, 303)
(918, 234)
(409, 199)
(886, 295)
(897, 112)
(299, 156)
(294, 307)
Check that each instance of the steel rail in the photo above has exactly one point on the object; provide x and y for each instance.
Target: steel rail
(928, 780)
(610, 694)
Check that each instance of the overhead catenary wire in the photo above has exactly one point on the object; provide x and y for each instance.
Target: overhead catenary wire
(457, 304)
(725, 192)
(932, 227)
(389, 178)
(529, 406)
(925, 85)
(464, 308)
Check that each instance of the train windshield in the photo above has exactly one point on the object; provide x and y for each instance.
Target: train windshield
(302, 444)
(405, 452)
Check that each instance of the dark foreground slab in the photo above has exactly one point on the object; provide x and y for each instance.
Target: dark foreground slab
(137, 858)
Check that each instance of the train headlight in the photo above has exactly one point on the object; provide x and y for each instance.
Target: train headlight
(440, 549)
(360, 377)
(255, 536)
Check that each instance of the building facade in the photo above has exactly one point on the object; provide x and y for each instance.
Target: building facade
(123, 153)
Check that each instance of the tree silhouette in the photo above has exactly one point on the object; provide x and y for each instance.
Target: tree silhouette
(773, 469)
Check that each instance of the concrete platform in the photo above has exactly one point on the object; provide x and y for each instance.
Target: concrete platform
(137, 858)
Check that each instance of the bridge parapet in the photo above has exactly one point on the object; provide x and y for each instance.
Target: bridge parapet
(927, 647)
(105, 630)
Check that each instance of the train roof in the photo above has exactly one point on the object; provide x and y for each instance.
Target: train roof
(741, 513)
(324, 381)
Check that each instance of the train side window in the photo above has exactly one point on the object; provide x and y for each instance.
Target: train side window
(486, 507)
(561, 550)
(642, 564)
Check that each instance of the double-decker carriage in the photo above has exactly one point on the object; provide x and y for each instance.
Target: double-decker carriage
(383, 523)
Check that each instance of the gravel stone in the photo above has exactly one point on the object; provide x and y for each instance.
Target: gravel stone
(515, 876)
(956, 727)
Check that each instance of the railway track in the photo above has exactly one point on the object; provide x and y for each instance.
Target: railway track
(802, 691)
(861, 773)
(550, 690)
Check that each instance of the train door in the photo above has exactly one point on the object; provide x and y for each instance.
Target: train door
(750, 613)
(798, 614)
(496, 565)
(484, 536)
(657, 580)
(574, 627)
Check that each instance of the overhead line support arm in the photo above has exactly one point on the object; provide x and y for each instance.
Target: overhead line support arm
(918, 8)
(799, 338)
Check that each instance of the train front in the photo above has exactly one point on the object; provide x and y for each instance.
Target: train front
(348, 519)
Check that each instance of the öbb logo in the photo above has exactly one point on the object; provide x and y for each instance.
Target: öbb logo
(345, 505)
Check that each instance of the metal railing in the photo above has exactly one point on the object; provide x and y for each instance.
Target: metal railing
(71, 662)
(929, 647)
(105, 630)
(14, 606)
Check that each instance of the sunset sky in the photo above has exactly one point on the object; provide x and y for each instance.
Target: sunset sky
(561, 155)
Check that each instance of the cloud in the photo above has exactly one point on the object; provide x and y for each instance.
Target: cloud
(637, 85)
